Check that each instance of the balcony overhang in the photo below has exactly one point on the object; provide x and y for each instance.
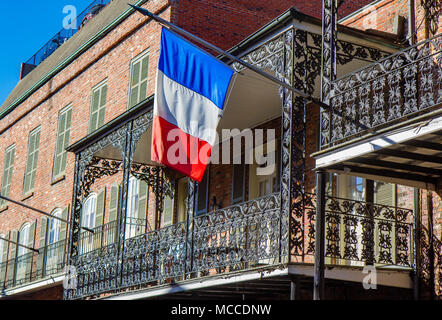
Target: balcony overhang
(410, 155)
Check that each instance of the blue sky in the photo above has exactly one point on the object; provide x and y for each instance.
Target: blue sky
(25, 26)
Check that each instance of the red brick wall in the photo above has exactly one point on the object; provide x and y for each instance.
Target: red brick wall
(225, 23)
(380, 16)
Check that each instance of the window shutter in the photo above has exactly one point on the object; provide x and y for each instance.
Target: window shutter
(143, 78)
(93, 122)
(42, 247)
(31, 166)
(12, 256)
(99, 216)
(142, 206)
(134, 84)
(384, 194)
(7, 173)
(67, 136)
(61, 249)
(4, 262)
(113, 213)
(30, 254)
(102, 111)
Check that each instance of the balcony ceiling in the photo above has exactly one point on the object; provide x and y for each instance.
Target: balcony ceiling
(409, 156)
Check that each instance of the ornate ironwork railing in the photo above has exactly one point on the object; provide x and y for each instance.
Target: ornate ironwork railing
(385, 92)
(33, 266)
(425, 271)
(244, 236)
(359, 232)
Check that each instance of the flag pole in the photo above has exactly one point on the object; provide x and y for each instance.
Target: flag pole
(220, 51)
(40, 211)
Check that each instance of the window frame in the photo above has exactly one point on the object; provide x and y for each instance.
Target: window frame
(98, 87)
(136, 59)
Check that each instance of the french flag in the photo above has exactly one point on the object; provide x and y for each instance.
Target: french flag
(191, 92)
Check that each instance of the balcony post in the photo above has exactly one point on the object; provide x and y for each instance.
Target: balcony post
(431, 244)
(369, 201)
(417, 239)
(127, 152)
(191, 188)
(328, 62)
(319, 279)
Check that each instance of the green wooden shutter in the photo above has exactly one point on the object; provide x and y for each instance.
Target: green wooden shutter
(139, 80)
(99, 216)
(31, 166)
(4, 263)
(134, 91)
(93, 121)
(61, 248)
(67, 137)
(143, 78)
(7, 173)
(113, 213)
(30, 254)
(63, 136)
(42, 247)
(142, 206)
(102, 109)
(12, 255)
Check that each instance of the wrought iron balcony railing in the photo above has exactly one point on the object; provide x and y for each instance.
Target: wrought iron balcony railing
(398, 87)
(33, 266)
(241, 237)
(359, 233)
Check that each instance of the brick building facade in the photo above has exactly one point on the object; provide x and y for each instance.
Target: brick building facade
(56, 101)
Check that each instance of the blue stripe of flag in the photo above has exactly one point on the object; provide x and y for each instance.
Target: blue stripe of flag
(193, 68)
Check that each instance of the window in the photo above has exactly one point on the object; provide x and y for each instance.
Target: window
(7, 173)
(98, 106)
(22, 258)
(88, 221)
(53, 236)
(63, 135)
(138, 79)
(132, 208)
(183, 185)
(31, 165)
